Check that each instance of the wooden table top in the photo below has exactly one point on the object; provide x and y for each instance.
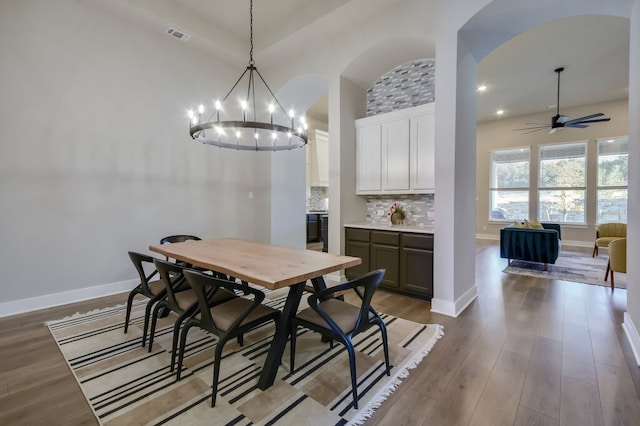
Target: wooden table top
(267, 265)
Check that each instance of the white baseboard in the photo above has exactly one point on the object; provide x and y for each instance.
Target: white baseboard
(455, 308)
(56, 299)
(572, 243)
(488, 237)
(632, 335)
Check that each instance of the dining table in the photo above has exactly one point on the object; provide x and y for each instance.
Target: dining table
(267, 265)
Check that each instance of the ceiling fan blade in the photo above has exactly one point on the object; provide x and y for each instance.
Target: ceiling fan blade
(599, 120)
(586, 117)
(555, 129)
(532, 128)
(535, 130)
(576, 126)
(562, 119)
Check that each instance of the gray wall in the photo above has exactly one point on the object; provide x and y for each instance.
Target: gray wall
(95, 157)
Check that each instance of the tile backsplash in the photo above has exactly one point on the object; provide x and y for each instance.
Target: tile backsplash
(405, 86)
(419, 209)
(318, 198)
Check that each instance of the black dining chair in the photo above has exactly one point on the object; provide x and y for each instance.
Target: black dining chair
(184, 237)
(180, 299)
(226, 320)
(341, 321)
(180, 238)
(152, 289)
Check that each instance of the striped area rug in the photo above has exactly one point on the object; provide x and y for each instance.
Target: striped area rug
(127, 385)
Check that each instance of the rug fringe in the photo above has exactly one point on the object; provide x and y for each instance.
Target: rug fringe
(93, 312)
(383, 394)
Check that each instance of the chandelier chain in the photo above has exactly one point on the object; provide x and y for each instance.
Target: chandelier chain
(251, 32)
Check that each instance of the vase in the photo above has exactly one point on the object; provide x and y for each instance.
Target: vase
(397, 219)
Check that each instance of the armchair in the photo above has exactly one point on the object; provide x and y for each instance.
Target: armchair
(607, 232)
(617, 258)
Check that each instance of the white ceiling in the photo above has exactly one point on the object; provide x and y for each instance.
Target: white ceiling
(519, 74)
(520, 77)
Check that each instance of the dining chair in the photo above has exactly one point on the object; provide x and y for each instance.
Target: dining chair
(341, 321)
(180, 238)
(184, 237)
(226, 320)
(154, 290)
(180, 299)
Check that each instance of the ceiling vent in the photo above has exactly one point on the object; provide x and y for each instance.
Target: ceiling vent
(178, 34)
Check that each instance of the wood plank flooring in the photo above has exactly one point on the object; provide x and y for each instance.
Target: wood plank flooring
(528, 351)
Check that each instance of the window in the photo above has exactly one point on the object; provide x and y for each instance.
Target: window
(562, 183)
(509, 186)
(613, 156)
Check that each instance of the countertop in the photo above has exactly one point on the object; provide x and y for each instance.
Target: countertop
(421, 229)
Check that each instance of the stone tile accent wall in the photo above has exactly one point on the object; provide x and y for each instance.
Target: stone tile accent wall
(405, 86)
(318, 199)
(419, 209)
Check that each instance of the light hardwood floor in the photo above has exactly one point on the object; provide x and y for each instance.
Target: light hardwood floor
(528, 351)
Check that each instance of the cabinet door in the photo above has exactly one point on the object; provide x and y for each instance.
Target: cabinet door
(313, 229)
(395, 158)
(369, 159)
(322, 157)
(308, 165)
(417, 271)
(422, 152)
(386, 257)
(357, 249)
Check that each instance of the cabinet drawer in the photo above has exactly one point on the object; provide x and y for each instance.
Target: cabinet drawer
(387, 238)
(355, 234)
(418, 241)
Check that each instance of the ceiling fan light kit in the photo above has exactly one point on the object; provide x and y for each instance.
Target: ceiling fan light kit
(561, 121)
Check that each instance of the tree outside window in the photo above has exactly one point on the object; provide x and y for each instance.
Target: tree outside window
(509, 186)
(562, 183)
(613, 177)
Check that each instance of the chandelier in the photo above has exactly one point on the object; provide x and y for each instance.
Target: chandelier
(256, 127)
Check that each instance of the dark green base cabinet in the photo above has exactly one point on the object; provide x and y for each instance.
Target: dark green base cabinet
(407, 258)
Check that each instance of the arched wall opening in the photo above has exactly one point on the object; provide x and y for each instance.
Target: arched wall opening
(460, 48)
(285, 220)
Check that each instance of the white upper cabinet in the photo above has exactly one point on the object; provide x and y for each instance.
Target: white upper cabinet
(423, 147)
(318, 158)
(395, 152)
(369, 159)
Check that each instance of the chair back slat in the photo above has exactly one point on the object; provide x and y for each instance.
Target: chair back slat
(139, 260)
(206, 286)
(364, 286)
(172, 276)
(179, 239)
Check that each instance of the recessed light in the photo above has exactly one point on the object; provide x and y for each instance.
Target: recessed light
(500, 112)
(482, 88)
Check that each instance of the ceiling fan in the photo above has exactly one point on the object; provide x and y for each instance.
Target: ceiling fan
(560, 121)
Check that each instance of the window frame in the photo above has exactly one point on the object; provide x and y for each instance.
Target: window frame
(540, 189)
(495, 188)
(599, 187)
